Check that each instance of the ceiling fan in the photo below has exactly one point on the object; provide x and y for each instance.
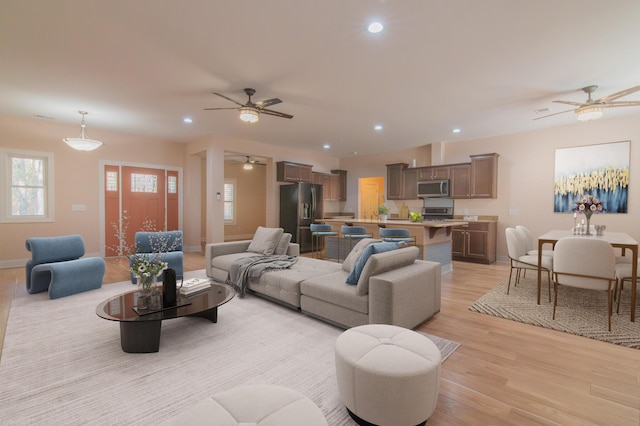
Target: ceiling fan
(250, 111)
(592, 108)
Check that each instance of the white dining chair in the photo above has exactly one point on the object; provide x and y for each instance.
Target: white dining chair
(531, 242)
(624, 272)
(584, 263)
(521, 261)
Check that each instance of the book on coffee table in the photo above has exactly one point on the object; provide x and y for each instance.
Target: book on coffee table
(194, 285)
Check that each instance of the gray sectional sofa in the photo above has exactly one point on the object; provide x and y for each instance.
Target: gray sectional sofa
(393, 288)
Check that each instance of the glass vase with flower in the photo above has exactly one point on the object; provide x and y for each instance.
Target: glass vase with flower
(147, 267)
(588, 205)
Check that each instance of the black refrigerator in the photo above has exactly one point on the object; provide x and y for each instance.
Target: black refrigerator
(300, 205)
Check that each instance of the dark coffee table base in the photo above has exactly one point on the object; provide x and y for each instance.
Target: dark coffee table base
(144, 337)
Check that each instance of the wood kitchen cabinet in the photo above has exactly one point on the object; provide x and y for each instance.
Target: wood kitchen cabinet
(395, 181)
(410, 183)
(460, 181)
(340, 178)
(293, 172)
(433, 173)
(484, 176)
(475, 242)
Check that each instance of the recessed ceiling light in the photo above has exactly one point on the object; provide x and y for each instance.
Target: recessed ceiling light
(456, 130)
(377, 127)
(354, 153)
(375, 27)
(188, 120)
(326, 146)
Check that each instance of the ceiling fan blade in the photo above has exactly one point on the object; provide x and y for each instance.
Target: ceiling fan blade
(578, 104)
(621, 104)
(557, 113)
(617, 95)
(228, 98)
(268, 102)
(213, 109)
(275, 113)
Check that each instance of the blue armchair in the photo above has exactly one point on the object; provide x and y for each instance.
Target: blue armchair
(167, 243)
(55, 265)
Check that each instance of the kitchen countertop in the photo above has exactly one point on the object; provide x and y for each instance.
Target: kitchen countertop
(404, 222)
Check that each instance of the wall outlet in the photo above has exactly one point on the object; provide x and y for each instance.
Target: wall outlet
(513, 212)
(78, 207)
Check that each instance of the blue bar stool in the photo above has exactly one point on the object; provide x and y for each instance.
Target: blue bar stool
(319, 231)
(395, 235)
(353, 233)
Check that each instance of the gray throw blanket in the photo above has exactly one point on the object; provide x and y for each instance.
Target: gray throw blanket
(250, 269)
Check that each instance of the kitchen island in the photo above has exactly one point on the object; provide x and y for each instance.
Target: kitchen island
(433, 238)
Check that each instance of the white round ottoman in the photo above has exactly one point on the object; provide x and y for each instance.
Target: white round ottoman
(263, 405)
(387, 375)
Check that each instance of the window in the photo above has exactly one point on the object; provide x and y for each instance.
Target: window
(229, 201)
(144, 183)
(172, 187)
(27, 186)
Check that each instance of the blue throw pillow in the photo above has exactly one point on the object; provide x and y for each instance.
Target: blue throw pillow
(371, 249)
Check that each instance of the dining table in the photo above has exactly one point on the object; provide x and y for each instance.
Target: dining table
(616, 239)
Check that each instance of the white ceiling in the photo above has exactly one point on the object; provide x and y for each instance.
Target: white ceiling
(484, 66)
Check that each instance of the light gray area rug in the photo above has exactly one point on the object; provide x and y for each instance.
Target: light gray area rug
(579, 312)
(62, 364)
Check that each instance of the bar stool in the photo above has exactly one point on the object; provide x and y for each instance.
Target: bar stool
(352, 233)
(320, 231)
(395, 235)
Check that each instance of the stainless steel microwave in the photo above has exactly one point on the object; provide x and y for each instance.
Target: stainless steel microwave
(433, 188)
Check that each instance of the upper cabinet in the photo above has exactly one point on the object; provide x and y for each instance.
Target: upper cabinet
(339, 179)
(395, 181)
(460, 180)
(484, 176)
(334, 185)
(477, 179)
(293, 172)
(433, 173)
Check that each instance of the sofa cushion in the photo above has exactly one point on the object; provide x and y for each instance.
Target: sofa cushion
(356, 252)
(283, 244)
(369, 250)
(332, 289)
(224, 262)
(265, 240)
(383, 262)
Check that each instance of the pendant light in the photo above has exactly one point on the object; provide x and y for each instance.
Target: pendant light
(83, 143)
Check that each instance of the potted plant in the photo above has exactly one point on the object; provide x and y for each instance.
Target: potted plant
(383, 213)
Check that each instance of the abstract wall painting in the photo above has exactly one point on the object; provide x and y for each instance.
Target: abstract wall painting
(600, 170)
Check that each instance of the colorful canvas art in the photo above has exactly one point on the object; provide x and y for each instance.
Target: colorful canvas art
(600, 170)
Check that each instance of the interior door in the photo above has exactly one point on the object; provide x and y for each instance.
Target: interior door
(369, 200)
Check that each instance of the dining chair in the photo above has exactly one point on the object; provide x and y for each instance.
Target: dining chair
(584, 263)
(521, 261)
(531, 242)
(624, 272)
(319, 232)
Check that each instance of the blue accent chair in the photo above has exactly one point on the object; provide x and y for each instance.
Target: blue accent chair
(169, 246)
(55, 265)
(396, 235)
(319, 231)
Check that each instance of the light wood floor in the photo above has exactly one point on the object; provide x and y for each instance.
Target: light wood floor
(505, 373)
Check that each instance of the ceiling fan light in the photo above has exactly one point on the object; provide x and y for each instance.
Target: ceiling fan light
(249, 115)
(248, 165)
(83, 143)
(589, 113)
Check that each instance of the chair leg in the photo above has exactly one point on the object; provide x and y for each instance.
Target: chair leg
(609, 305)
(509, 284)
(555, 298)
(549, 283)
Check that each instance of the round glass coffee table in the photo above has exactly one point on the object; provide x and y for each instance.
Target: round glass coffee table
(140, 331)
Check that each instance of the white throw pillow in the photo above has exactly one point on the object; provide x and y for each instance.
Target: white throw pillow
(265, 240)
(283, 245)
(356, 252)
